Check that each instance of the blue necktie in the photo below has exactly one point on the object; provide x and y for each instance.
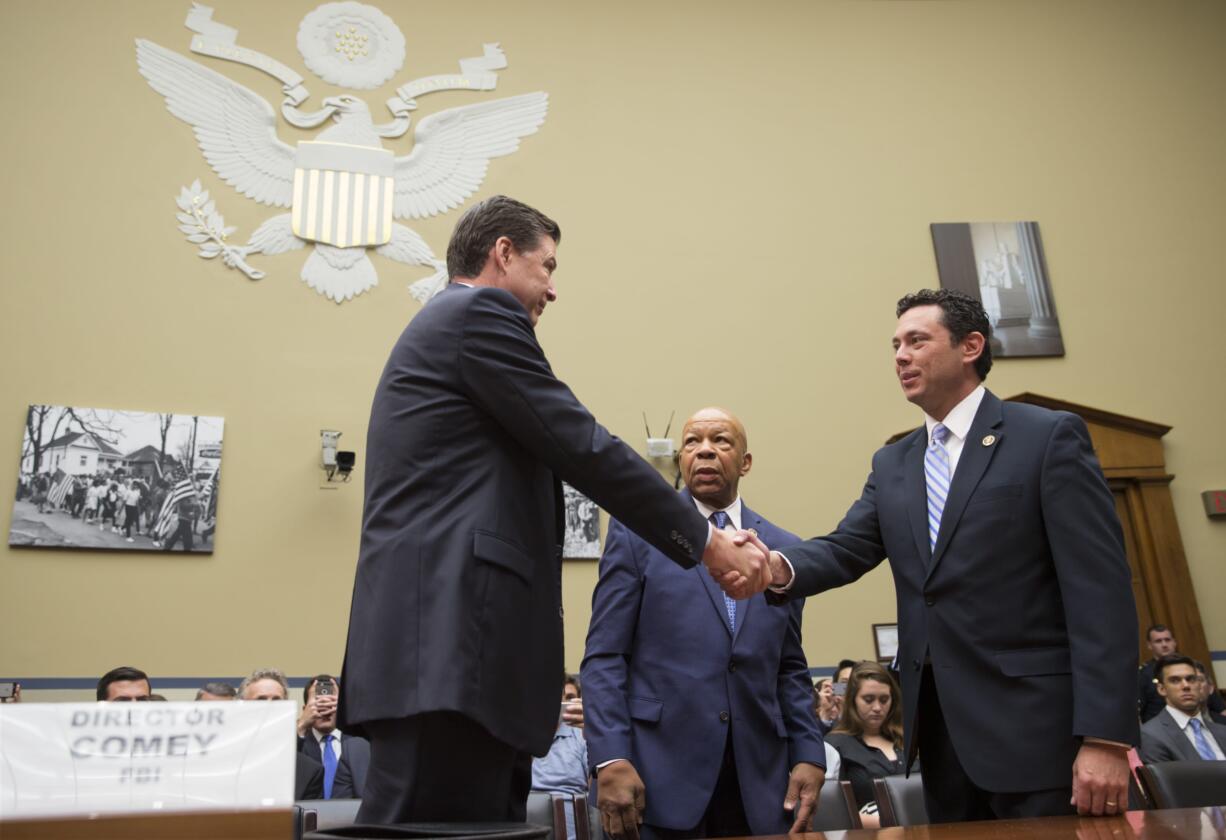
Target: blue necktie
(720, 520)
(329, 766)
(1198, 738)
(936, 478)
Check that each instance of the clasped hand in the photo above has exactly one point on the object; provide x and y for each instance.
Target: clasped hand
(740, 568)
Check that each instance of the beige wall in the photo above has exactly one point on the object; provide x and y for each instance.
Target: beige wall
(745, 190)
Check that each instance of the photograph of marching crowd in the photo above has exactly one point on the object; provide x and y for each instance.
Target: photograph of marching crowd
(126, 480)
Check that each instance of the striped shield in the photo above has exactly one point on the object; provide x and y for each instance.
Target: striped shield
(343, 194)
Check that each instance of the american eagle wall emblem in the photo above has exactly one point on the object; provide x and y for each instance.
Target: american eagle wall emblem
(343, 189)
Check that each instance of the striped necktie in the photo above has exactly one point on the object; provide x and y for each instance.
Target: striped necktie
(1198, 738)
(720, 520)
(936, 478)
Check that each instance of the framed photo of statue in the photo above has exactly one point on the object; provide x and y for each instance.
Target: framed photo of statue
(885, 641)
(109, 480)
(1003, 264)
(582, 540)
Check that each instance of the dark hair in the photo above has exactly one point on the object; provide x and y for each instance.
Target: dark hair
(158, 698)
(572, 679)
(961, 314)
(1173, 659)
(217, 689)
(481, 226)
(317, 678)
(1157, 628)
(850, 721)
(120, 674)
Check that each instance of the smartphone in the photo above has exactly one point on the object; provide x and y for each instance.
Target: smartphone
(8, 690)
(840, 689)
(322, 689)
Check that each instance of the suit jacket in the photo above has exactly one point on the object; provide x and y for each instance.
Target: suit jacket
(350, 781)
(308, 778)
(355, 752)
(457, 602)
(666, 682)
(1163, 740)
(1024, 607)
(1149, 701)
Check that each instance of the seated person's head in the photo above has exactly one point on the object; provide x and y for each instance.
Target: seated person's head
(873, 705)
(843, 673)
(570, 688)
(1180, 683)
(264, 684)
(323, 720)
(124, 683)
(217, 691)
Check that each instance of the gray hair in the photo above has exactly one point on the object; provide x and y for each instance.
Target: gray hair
(265, 674)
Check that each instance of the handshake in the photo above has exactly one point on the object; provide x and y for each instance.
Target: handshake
(742, 565)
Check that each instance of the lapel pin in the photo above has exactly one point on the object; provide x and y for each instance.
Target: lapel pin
(988, 440)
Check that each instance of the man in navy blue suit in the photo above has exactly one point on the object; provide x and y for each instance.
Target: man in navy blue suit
(698, 709)
(1017, 626)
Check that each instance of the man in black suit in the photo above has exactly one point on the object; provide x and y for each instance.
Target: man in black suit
(455, 631)
(1016, 619)
(1161, 642)
(1182, 731)
(319, 737)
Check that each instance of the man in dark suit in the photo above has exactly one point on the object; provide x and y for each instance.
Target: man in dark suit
(699, 712)
(1017, 626)
(455, 630)
(1161, 642)
(1182, 731)
(319, 737)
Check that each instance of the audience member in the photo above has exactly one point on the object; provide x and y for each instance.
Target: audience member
(270, 684)
(123, 684)
(1183, 733)
(827, 705)
(1214, 705)
(319, 738)
(572, 701)
(869, 735)
(842, 673)
(699, 712)
(564, 768)
(217, 691)
(1161, 642)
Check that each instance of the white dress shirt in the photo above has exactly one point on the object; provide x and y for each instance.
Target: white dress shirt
(958, 421)
(319, 742)
(1183, 720)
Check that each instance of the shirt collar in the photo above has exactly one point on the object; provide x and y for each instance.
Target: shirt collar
(319, 736)
(959, 419)
(733, 510)
(1184, 719)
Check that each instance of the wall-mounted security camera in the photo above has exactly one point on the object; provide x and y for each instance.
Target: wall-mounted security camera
(337, 464)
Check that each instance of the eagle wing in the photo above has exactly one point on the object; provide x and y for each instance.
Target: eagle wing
(452, 150)
(235, 127)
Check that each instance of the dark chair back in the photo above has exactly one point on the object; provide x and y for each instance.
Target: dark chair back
(836, 808)
(900, 800)
(1184, 784)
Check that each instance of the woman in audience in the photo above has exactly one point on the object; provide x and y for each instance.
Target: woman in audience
(869, 735)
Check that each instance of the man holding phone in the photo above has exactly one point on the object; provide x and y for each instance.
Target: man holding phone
(319, 738)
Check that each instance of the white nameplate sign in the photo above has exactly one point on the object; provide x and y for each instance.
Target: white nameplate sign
(86, 758)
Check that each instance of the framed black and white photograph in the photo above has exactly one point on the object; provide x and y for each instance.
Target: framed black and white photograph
(117, 480)
(582, 540)
(885, 640)
(1002, 264)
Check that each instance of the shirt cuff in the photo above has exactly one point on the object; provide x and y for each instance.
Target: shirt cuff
(1091, 740)
(710, 536)
(605, 764)
(791, 580)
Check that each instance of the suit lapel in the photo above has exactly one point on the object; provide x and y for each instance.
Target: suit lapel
(972, 464)
(1179, 738)
(917, 495)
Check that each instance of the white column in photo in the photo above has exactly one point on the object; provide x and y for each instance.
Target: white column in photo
(1043, 323)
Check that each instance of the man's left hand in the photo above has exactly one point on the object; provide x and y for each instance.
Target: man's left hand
(1100, 780)
(804, 783)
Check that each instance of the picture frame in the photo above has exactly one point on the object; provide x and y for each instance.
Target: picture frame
(885, 642)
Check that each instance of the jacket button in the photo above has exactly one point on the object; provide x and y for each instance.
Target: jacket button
(723, 716)
(731, 667)
(930, 602)
(915, 663)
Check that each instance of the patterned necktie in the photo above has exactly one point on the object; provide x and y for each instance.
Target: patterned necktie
(1198, 738)
(720, 520)
(329, 766)
(936, 477)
